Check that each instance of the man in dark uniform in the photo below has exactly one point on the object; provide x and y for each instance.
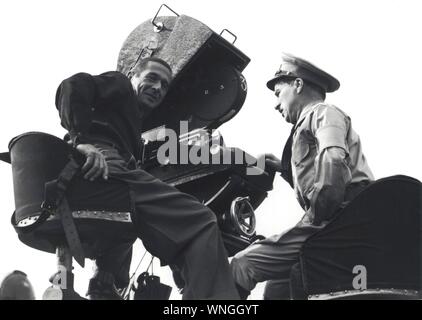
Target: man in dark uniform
(322, 160)
(103, 115)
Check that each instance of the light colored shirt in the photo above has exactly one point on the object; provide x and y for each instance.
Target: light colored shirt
(326, 158)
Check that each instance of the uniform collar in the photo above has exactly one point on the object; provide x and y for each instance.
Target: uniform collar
(306, 110)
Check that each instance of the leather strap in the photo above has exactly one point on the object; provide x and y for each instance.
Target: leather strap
(69, 227)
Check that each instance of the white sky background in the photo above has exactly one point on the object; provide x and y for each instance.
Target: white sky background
(372, 47)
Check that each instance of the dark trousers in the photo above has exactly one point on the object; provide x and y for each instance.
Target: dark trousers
(117, 260)
(174, 227)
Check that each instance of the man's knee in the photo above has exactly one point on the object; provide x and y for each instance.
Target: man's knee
(239, 262)
(242, 271)
(242, 275)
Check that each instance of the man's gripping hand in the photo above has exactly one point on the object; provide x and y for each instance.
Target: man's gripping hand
(95, 164)
(271, 161)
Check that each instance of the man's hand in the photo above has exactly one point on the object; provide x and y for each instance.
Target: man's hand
(271, 161)
(95, 164)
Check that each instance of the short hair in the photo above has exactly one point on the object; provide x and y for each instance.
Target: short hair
(316, 88)
(139, 66)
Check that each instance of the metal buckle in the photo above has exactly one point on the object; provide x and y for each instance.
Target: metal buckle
(48, 207)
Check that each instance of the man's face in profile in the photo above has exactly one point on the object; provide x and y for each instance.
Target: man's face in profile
(285, 93)
(151, 84)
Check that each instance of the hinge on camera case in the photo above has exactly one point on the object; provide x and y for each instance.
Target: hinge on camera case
(150, 48)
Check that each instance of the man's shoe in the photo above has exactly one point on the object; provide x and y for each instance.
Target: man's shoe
(102, 287)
